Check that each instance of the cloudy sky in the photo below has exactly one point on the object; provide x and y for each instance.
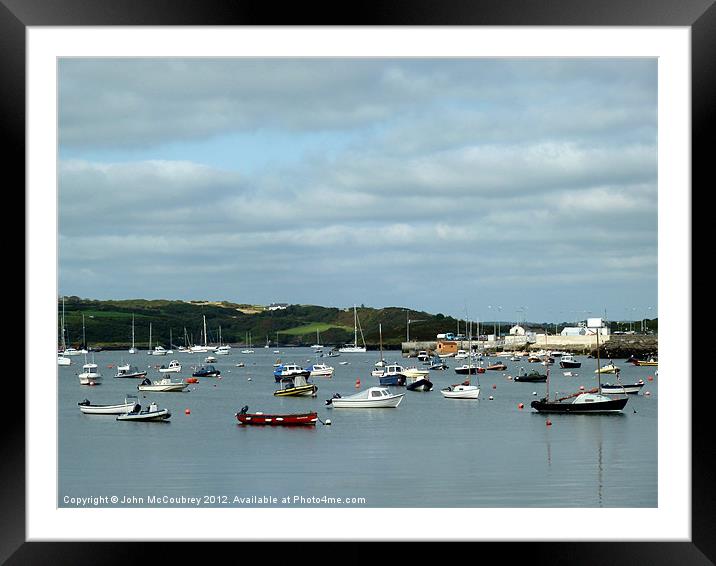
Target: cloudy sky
(503, 188)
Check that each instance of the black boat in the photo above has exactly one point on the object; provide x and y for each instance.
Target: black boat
(591, 401)
(584, 402)
(208, 371)
(619, 388)
(420, 385)
(568, 361)
(532, 377)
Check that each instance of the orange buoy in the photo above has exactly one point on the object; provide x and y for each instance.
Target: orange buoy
(521, 406)
(357, 383)
(187, 412)
(650, 378)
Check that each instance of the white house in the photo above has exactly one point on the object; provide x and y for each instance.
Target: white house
(584, 330)
(517, 330)
(277, 306)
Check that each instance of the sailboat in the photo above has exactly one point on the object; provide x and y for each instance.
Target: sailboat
(84, 339)
(592, 401)
(248, 350)
(382, 363)
(62, 359)
(200, 349)
(354, 348)
(317, 346)
(463, 390)
(132, 350)
(222, 350)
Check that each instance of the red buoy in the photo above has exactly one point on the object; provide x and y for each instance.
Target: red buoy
(548, 423)
(650, 378)
(581, 387)
(187, 412)
(357, 383)
(494, 386)
(521, 406)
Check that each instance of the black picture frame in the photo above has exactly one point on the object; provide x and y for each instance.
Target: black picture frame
(699, 15)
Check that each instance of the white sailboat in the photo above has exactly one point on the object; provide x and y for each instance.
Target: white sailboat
(248, 350)
(317, 347)
(62, 359)
(132, 350)
(464, 390)
(354, 348)
(222, 350)
(200, 349)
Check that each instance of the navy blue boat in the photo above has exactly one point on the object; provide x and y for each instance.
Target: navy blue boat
(208, 371)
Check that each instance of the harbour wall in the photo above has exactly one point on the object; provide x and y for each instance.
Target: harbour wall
(617, 346)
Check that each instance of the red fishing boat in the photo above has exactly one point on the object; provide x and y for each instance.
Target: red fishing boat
(296, 419)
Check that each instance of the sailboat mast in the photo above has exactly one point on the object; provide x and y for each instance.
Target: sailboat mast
(599, 369)
(204, 330)
(64, 343)
(132, 332)
(150, 336)
(355, 326)
(84, 340)
(380, 333)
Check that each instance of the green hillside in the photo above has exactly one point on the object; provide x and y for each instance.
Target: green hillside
(108, 324)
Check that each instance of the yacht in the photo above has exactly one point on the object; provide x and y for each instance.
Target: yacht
(354, 347)
(90, 374)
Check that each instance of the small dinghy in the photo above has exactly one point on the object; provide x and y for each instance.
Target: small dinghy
(296, 419)
(499, 366)
(130, 401)
(618, 388)
(150, 414)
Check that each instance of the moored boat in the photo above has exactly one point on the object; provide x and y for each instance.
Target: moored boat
(290, 371)
(422, 384)
(173, 367)
(130, 401)
(371, 398)
(531, 377)
(320, 370)
(206, 371)
(619, 388)
(295, 419)
(90, 374)
(461, 391)
(296, 387)
(130, 372)
(568, 361)
(162, 385)
(499, 366)
(151, 414)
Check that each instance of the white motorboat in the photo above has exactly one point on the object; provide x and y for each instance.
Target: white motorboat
(159, 351)
(423, 356)
(151, 413)
(289, 371)
(461, 391)
(63, 360)
(90, 374)
(321, 370)
(619, 388)
(71, 352)
(173, 367)
(130, 404)
(461, 355)
(609, 368)
(210, 360)
(162, 385)
(371, 398)
(223, 350)
(130, 371)
(354, 348)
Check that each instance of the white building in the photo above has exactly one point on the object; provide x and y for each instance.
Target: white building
(586, 329)
(517, 330)
(277, 306)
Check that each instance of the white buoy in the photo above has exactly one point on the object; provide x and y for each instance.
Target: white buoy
(534, 393)
(249, 379)
(328, 421)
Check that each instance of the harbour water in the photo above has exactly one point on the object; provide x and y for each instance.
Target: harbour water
(411, 456)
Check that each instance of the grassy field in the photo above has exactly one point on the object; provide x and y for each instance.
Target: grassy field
(312, 328)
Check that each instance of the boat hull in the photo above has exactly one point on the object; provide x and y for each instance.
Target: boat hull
(163, 388)
(613, 405)
(121, 409)
(531, 378)
(565, 365)
(300, 391)
(462, 392)
(392, 379)
(279, 377)
(303, 419)
(420, 385)
(132, 375)
(470, 371)
(632, 389)
(383, 403)
(153, 416)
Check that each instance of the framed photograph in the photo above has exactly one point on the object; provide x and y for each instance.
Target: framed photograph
(297, 195)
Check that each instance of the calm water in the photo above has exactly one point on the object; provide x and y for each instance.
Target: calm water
(508, 456)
